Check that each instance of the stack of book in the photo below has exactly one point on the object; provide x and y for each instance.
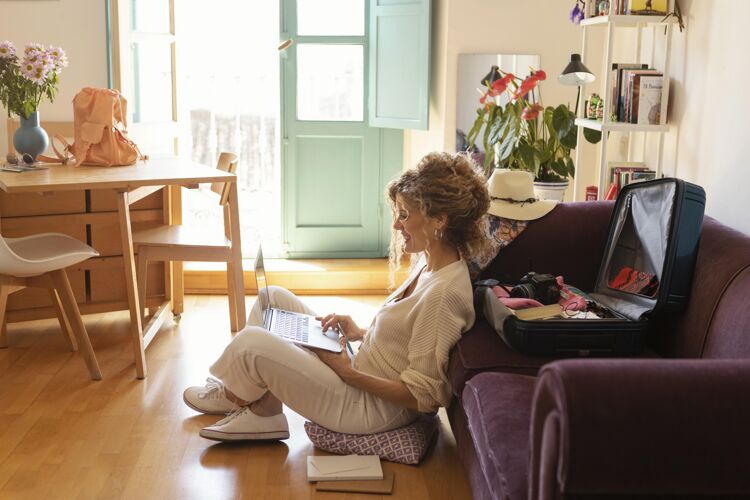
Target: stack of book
(626, 8)
(622, 173)
(636, 93)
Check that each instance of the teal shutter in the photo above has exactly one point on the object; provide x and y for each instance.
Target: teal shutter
(399, 64)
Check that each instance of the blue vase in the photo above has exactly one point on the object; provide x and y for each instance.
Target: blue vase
(30, 138)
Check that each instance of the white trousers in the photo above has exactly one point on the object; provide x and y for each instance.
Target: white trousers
(257, 361)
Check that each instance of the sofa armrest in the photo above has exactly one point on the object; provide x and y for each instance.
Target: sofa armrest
(641, 427)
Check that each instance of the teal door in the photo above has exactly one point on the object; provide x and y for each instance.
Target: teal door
(334, 166)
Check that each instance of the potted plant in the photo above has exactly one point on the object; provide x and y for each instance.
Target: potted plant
(523, 134)
(24, 82)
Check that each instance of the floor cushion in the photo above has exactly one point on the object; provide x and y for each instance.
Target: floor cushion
(406, 445)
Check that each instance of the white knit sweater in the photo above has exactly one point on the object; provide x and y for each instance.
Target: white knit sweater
(410, 338)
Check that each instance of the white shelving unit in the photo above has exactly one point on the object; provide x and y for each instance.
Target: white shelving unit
(610, 23)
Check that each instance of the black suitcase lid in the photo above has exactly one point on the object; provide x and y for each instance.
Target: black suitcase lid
(651, 248)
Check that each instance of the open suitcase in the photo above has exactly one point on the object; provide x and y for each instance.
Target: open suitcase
(653, 235)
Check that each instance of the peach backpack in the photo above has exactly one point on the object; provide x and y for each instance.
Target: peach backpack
(100, 130)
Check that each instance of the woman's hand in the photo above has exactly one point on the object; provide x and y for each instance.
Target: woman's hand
(339, 362)
(344, 323)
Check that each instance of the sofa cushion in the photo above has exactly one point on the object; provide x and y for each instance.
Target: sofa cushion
(498, 412)
(480, 350)
(569, 241)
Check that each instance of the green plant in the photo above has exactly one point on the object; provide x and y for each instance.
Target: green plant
(24, 82)
(522, 133)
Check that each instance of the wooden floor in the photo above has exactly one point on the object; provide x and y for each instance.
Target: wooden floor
(65, 436)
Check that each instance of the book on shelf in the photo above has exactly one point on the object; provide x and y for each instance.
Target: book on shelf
(632, 92)
(648, 107)
(617, 92)
(646, 7)
(593, 8)
(622, 173)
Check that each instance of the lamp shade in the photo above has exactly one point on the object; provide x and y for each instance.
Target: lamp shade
(575, 73)
(490, 77)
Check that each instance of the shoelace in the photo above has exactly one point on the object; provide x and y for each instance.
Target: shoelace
(214, 389)
(236, 412)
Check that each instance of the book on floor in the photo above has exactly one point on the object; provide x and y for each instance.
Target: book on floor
(383, 486)
(344, 468)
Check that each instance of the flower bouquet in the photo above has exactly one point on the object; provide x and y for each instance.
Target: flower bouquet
(25, 81)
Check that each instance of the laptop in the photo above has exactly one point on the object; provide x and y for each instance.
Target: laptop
(298, 328)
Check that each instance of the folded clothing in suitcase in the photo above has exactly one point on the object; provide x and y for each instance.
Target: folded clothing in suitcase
(646, 269)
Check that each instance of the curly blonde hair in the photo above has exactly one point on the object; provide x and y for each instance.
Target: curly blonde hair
(444, 184)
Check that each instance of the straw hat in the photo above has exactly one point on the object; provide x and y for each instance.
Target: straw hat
(512, 194)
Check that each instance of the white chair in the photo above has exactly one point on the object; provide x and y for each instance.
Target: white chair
(39, 261)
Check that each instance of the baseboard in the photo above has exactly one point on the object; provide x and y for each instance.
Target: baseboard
(303, 277)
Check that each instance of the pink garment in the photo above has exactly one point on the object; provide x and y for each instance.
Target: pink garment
(569, 299)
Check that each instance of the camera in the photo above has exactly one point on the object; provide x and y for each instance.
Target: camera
(540, 287)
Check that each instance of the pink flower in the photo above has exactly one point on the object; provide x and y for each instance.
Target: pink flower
(7, 50)
(33, 49)
(57, 57)
(531, 112)
(28, 68)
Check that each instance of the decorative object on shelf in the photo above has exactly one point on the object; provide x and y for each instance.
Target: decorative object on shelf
(577, 13)
(523, 134)
(23, 84)
(592, 106)
(603, 8)
(591, 193)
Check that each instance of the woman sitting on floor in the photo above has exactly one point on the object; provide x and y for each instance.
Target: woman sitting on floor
(400, 369)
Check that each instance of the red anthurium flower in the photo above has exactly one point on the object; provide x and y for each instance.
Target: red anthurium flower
(499, 86)
(531, 112)
(530, 83)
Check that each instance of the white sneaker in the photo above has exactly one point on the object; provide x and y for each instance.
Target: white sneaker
(244, 425)
(209, 399)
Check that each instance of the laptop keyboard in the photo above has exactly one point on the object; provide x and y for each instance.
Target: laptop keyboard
(291, 326)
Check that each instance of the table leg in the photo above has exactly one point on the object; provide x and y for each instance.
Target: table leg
(236, 267)
(128, 260)
(178, 283)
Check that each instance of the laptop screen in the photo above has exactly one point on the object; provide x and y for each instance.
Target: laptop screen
(260, 281)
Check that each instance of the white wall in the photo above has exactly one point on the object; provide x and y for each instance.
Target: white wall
(709, 143)
(78, 26)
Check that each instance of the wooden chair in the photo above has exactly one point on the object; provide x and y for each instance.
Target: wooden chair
(181, 243)
(40, 261)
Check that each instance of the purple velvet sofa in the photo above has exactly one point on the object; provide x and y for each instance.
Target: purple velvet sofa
(674, 421)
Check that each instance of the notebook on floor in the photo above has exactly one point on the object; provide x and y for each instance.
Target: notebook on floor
(344, 468)
(299, 328)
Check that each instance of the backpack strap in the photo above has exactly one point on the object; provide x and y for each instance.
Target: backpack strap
(63, 157)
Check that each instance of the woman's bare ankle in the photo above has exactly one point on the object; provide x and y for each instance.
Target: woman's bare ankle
(267, 406)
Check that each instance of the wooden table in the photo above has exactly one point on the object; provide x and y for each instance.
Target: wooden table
(133, 183)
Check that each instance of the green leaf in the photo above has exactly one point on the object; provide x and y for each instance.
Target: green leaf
(563, 120)
(526, 155)
(591, 135)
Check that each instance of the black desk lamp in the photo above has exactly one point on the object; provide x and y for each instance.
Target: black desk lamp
(576, 73)
(490, 77)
